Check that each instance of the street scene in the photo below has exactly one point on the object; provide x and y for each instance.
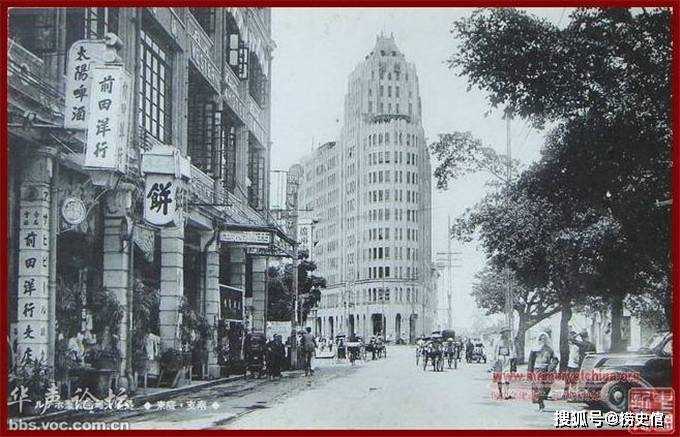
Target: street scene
(339, 218)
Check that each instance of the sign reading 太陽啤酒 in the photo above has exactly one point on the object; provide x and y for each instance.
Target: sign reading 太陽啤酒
(107, 129)
(82, 57)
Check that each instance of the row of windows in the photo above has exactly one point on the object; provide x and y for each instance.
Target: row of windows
(379, 234)
(376, 158)
(398, 138)
(377, 215)
(384, 272)
(374, 294)
(384, 195)
(376, 253)
(381, 108)
(397, 73)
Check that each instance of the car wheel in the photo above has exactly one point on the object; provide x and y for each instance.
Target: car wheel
(614, 395)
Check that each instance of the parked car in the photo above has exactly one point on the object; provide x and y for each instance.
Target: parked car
(606, 378)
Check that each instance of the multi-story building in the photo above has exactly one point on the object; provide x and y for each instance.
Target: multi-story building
(371, 195)
(199, 118)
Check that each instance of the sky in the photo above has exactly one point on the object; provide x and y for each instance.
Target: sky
(317, 49)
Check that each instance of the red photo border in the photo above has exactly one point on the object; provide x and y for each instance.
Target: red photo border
(6, 4)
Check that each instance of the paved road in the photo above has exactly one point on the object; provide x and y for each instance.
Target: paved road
(387, 393)
(394, 393)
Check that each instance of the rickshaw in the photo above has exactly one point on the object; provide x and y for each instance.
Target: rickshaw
(434, 352)
(420, 348)
(255, 351)
(354, 349)
(478, 353)
(341, 346)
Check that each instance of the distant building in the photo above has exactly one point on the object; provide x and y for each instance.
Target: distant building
(370, 193)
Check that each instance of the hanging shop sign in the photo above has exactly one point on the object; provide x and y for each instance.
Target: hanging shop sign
(256, 238)
(162, 200)
(82, 57)
(107, 128)
(73, 211)
(166, 175)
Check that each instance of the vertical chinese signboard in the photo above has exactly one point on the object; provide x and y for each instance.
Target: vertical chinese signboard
(33, 299)
(107, 127)
(82, 56)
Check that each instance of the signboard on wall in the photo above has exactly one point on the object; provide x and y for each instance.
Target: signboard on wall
(161, 203)
(82, 56)
(258, 238)
(107, 127)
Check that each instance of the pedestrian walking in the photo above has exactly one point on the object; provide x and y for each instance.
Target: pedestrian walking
(573, 363)
(542, 365)
(469, 347)
(308, 348)
(275, 356)
(504, 353)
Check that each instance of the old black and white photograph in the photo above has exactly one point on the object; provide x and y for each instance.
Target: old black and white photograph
(355, 218)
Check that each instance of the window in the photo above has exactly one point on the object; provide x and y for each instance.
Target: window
(204, 127)
(155, 83)
(389, 91)
(237, 51)
(257, 81)
(229, 177)
(396, 91)
(382, 90)
(256, 175)
(205, 18)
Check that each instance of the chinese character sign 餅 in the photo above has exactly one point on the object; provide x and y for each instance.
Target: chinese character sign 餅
(107, 128)
(161, 199)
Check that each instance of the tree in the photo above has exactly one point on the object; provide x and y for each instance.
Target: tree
(605, 80)
(281, 299)
(532, 304)
(557, 253)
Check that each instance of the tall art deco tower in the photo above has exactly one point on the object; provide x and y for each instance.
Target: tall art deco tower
(372, 201)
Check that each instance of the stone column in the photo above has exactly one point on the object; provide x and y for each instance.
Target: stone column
(211, 297)
(116, 262)
(389, 325)
(172, 284)
(259, 293)
(33, 298)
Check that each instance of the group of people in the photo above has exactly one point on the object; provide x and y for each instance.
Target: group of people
(542, 364)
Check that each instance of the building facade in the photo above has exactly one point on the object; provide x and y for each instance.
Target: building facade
(174, 217)
(370, 193)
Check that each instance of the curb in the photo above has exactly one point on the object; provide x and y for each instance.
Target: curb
(140, 398)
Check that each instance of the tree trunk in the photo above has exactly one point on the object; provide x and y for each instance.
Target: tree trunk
(564, 335)
(521, 338)
(617, 313)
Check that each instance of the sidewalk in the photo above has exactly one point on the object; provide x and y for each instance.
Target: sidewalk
(153, 394)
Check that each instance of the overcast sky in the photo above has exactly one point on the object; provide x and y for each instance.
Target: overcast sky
(317, 48)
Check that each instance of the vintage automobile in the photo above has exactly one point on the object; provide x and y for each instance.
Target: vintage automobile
(606, 377)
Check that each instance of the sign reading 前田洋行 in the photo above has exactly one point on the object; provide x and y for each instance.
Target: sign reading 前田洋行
(107, 128)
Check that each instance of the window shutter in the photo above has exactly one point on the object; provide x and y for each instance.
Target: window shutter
(243, 61)
(233, 49)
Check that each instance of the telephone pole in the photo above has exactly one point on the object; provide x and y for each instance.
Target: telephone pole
(509, 295)
(446, 260)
